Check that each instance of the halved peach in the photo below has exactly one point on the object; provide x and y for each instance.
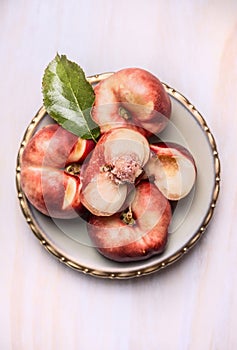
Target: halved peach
(173, 169)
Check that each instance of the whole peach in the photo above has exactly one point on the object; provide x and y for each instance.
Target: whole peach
(49, 182)
(137, 233)
(132, 96)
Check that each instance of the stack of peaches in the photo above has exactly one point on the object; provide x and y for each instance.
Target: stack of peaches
(124, 183)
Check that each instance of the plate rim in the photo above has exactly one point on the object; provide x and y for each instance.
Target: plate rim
(25, 207)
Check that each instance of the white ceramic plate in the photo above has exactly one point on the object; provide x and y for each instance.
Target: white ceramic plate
(68, 240)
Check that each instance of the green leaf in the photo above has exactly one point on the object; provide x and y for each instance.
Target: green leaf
(68, 97)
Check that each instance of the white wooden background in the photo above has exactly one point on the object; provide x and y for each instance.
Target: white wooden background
(192, 46)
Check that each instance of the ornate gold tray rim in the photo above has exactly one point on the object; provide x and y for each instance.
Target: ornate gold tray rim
(140, 271)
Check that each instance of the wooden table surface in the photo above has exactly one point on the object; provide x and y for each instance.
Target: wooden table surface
(192, 46)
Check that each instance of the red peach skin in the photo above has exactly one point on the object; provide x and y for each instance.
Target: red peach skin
(146, 237)
(140, 93)
(49, 188)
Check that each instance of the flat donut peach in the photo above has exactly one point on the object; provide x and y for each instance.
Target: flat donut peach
(46, 183)
(132, 96)
(136, 234)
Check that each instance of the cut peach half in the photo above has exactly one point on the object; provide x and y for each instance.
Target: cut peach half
(124, 141)
(126, 151)
(116, 162)
(103, 197)
(172, 167)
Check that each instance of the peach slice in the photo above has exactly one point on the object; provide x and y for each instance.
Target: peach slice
(70, 192)
(80, 151)
(173, 168)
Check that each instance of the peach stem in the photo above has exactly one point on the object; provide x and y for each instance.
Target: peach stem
(124, 113)
(127, 217)
(73, 169)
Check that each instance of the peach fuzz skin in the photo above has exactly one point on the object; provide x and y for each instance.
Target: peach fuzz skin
(146, 237)
(137, 91)
(44, 180)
